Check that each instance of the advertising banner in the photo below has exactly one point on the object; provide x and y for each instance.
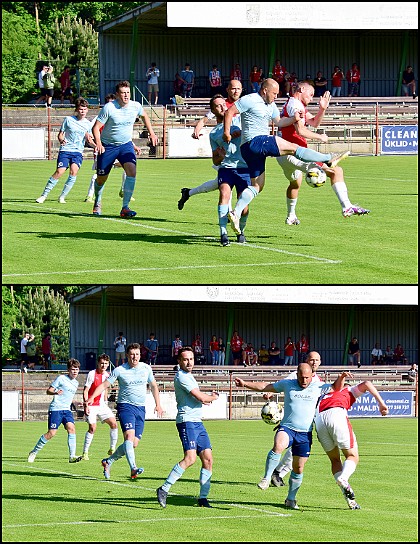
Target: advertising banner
(400, 403)
(396, 140)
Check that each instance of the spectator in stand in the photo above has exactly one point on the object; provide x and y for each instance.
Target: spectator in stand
(49, 81)
(273, 354)
(236, 343)
(143, 352)
(279, 74)
(409, 82)
(377, 355)
(152, 346)
(46, 350)
(214, 350)
(222, 351)
(176, 346)
(412, 373)
(309, 79)
(399, 355)
(43, 96)
(215, 80)
(236, 73)
(293, 81)
(354, 352)
(389, 355)
(177, 85)
(31, 352)
(198, 350)
(187, 77)
(321, 84)
(336, 80)
(119, 344)
(254, 78)
(302, 347)
(353, 79)
(66, 91)
(23, 354)
(289, 349)
(263, 355)
(262, 76)
(152, 75)
(249, 357)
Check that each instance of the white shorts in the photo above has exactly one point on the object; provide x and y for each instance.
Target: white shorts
(334, 429)
(292, 167)
(102, 412)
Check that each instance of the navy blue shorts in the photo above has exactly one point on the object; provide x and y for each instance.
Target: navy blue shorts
(235, 177)
(124, 153)
(59, 417)
(193, 436)
(256, 151)
(66, 158)
(301, 441)
(131, 417)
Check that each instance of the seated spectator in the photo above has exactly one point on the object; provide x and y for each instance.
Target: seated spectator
(409, 82)
(263, 355)
(399, 355)
(377, 355)
(320, 84)
(354, 352)
(249, 357)
(389, 355)
(273, 354)
(412, 373)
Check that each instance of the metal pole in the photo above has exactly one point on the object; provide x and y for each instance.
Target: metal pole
(231, 314)
(348, 336)
(23, 396)
(134, 42)
(102, 323)
(402, 64)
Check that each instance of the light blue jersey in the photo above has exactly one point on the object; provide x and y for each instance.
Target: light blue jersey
(300, 403)
(189, 408)
(118, 121)
(233, 158)
(69, 387)
(255, 116)
(74, 133)
(132, 382)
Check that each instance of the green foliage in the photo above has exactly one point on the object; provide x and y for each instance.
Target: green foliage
(9, 314)
(20, 48)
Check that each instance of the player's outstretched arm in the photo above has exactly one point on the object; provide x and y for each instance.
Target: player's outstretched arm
(368, 386)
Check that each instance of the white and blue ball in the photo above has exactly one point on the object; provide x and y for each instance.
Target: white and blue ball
(271, 413)
(315, 175)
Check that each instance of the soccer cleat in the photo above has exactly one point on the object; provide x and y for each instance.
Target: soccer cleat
(41, 199)
(345, 488)
(161, 496)
(126, 213)
(31, 457)
(75, 459)
(185, 195)
(111, 451)
(61, 200)
(353, 504)
(97, 209)
(224, 240)
(241, 239)
(135, 472)
(234, 221)
(90, 199)
(292, 221)
(291, 504)
(85, 456)
(276, 479)
(355, 210)
(204, 503)
(264, 483)
(336, 158)
(107, 468)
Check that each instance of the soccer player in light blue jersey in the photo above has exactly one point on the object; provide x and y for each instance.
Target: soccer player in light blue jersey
(114, 141)
(63, 388)
(75, 131)
(258, 111)
(300, 399)
(192, 433)
(133, 378)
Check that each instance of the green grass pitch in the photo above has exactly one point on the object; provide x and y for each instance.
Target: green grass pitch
(64, 243)
(54, 501)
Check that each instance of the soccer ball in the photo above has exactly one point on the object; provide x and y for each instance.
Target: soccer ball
(271, 413)
(315, 176)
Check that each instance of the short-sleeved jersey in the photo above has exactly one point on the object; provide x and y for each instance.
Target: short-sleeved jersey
(233, 157)
(69, 387)
(132, 382)
(300, 403)
(118, 121)
(74, 133)
(255, 116)
(339, 399)
(189, 408)
(289, 133)
(236, 343)
(93, 379)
